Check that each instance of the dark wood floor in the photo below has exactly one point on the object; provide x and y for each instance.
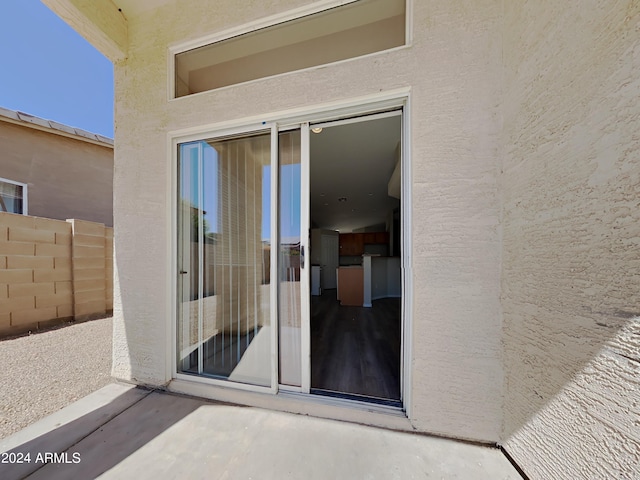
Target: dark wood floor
(356, 350)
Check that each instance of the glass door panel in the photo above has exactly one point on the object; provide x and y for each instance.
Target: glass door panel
(289, 259)
(188, 233)
(293, 268)
(223, 218)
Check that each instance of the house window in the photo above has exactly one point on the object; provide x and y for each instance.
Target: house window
(358, 28)
(13, 197)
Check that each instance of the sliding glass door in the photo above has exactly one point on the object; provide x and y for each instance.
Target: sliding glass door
(243, 218)
(224, 244)
(236, 322)
(293, 264)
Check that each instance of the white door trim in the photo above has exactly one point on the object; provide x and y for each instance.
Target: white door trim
(358, 119)
(406, 236)
(336, 110)
(305, 287)
(273, 263)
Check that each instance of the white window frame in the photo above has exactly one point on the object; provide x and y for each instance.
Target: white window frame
(266, 22)
(25, 195)
(399, 98)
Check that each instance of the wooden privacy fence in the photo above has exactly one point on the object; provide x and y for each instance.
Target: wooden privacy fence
(53, 271)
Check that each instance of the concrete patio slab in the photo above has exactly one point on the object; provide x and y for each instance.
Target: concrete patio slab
(62, 430)
(160, 435)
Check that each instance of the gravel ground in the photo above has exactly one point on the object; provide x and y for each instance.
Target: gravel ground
(43, 372)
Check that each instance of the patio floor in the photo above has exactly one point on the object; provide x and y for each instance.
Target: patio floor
(122, 431)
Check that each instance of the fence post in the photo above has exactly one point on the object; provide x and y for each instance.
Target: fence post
(89, 268)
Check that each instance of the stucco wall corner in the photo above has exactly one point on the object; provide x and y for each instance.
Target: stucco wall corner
(571, 225)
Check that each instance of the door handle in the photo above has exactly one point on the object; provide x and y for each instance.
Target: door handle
(183, 272)
(301, 256)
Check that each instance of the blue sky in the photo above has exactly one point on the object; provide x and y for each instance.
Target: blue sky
(50, 71)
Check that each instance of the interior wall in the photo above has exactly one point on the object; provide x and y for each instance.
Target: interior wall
(453, 68)
(571, 268)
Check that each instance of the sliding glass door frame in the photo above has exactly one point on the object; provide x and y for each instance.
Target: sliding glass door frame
(281, 122)
(305, 280)
(222, 134)
(305, 270)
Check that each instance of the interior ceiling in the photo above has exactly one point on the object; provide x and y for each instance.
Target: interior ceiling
(353, 161)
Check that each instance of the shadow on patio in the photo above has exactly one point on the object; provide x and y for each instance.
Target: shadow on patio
(127, 432)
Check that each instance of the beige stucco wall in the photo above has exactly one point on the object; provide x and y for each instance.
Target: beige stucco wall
(454, 70)
(571, 265)
(66, 178)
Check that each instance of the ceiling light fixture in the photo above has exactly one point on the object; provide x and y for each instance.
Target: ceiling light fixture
(316, 129)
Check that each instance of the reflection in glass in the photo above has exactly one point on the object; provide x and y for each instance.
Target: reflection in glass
(223, 259)
(289, 256)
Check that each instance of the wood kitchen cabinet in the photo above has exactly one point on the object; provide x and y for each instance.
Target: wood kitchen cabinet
(352, 244)
(382, 238)
(344, 243)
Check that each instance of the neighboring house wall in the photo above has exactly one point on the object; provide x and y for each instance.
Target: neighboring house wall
(52, 270)
(571, 265)
(454, 69)
(66, 177)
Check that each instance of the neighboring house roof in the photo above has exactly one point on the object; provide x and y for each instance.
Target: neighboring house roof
(37, 123)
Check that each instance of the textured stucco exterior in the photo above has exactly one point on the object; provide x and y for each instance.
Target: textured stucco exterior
(524, 120)
(455, 124)
(65, 177)
(571, 244)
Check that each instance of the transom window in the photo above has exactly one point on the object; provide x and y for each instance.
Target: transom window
(347, 31)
